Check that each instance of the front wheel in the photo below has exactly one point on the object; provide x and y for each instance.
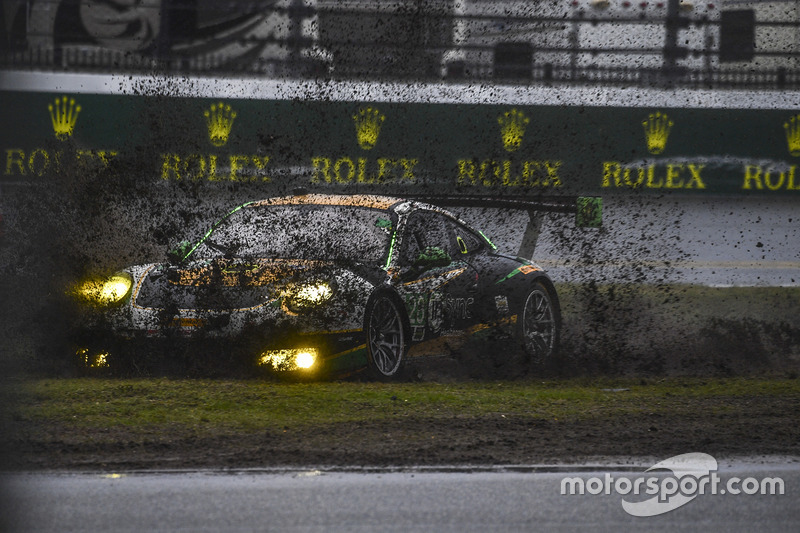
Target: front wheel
(538, 324)
(387, 336)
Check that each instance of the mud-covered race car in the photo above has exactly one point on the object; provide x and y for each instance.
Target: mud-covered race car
(318, 284)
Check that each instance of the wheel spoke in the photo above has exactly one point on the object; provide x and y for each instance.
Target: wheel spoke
(540, 345)
(382, 361)
(387, 357)
(385, 336)
(380, 316)
(538, 323)
(391, 346)
(390, 324)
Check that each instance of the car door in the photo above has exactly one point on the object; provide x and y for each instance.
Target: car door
(490, 303)
(439, 283)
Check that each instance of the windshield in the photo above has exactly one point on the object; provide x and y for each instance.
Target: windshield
(339, 233)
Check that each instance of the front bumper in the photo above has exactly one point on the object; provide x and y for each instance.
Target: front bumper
(190, 350)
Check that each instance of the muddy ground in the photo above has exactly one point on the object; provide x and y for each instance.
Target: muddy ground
(722, 426)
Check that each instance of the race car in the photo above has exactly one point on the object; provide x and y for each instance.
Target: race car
(315, 284)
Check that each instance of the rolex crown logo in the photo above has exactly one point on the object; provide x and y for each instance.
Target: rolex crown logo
(792, 127)
(368, 127)
(64, 115)
(656, 131)
(512, 128)
(219, 119)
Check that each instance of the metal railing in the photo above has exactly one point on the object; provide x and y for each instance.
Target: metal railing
(448, 41)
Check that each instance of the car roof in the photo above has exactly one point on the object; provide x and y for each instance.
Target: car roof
(398, 205)
(354, 200)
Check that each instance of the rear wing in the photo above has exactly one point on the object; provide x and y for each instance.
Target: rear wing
(588, 211)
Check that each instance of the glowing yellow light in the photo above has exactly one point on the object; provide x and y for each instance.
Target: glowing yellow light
(287, 360)
(115, 288)
(100, 360)
(97, 360)
(314, 294)
(306, 296)
(304, 360)
(106, 291)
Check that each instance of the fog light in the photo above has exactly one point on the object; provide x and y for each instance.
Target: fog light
(93, 360)
(304, 360)
(287, 360)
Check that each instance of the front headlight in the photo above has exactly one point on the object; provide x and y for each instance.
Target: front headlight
(304, 297)
(105, 291)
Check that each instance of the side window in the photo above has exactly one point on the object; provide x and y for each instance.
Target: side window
(427, 229)
(466, 241)
(413, 239)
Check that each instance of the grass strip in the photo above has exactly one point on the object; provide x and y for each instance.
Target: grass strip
(226, 406)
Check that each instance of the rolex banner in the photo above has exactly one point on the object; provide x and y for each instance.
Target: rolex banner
(401, 148)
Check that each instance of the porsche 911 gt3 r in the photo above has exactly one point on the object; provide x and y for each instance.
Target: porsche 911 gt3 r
(315, 284)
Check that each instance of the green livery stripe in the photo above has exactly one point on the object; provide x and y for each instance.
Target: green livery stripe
(348, 359)
(508, 276)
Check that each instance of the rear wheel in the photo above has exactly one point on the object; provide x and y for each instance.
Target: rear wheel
(538, 324)
(387, 336)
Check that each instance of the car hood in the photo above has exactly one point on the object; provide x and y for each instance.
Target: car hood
(225, 283)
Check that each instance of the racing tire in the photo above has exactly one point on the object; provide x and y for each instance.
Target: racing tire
(539, 324)
(387, 336)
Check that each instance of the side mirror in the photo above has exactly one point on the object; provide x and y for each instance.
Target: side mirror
(432, 257)
(179, 253)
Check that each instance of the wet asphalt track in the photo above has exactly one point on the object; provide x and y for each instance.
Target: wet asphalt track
(707, 241)
(491, 499)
